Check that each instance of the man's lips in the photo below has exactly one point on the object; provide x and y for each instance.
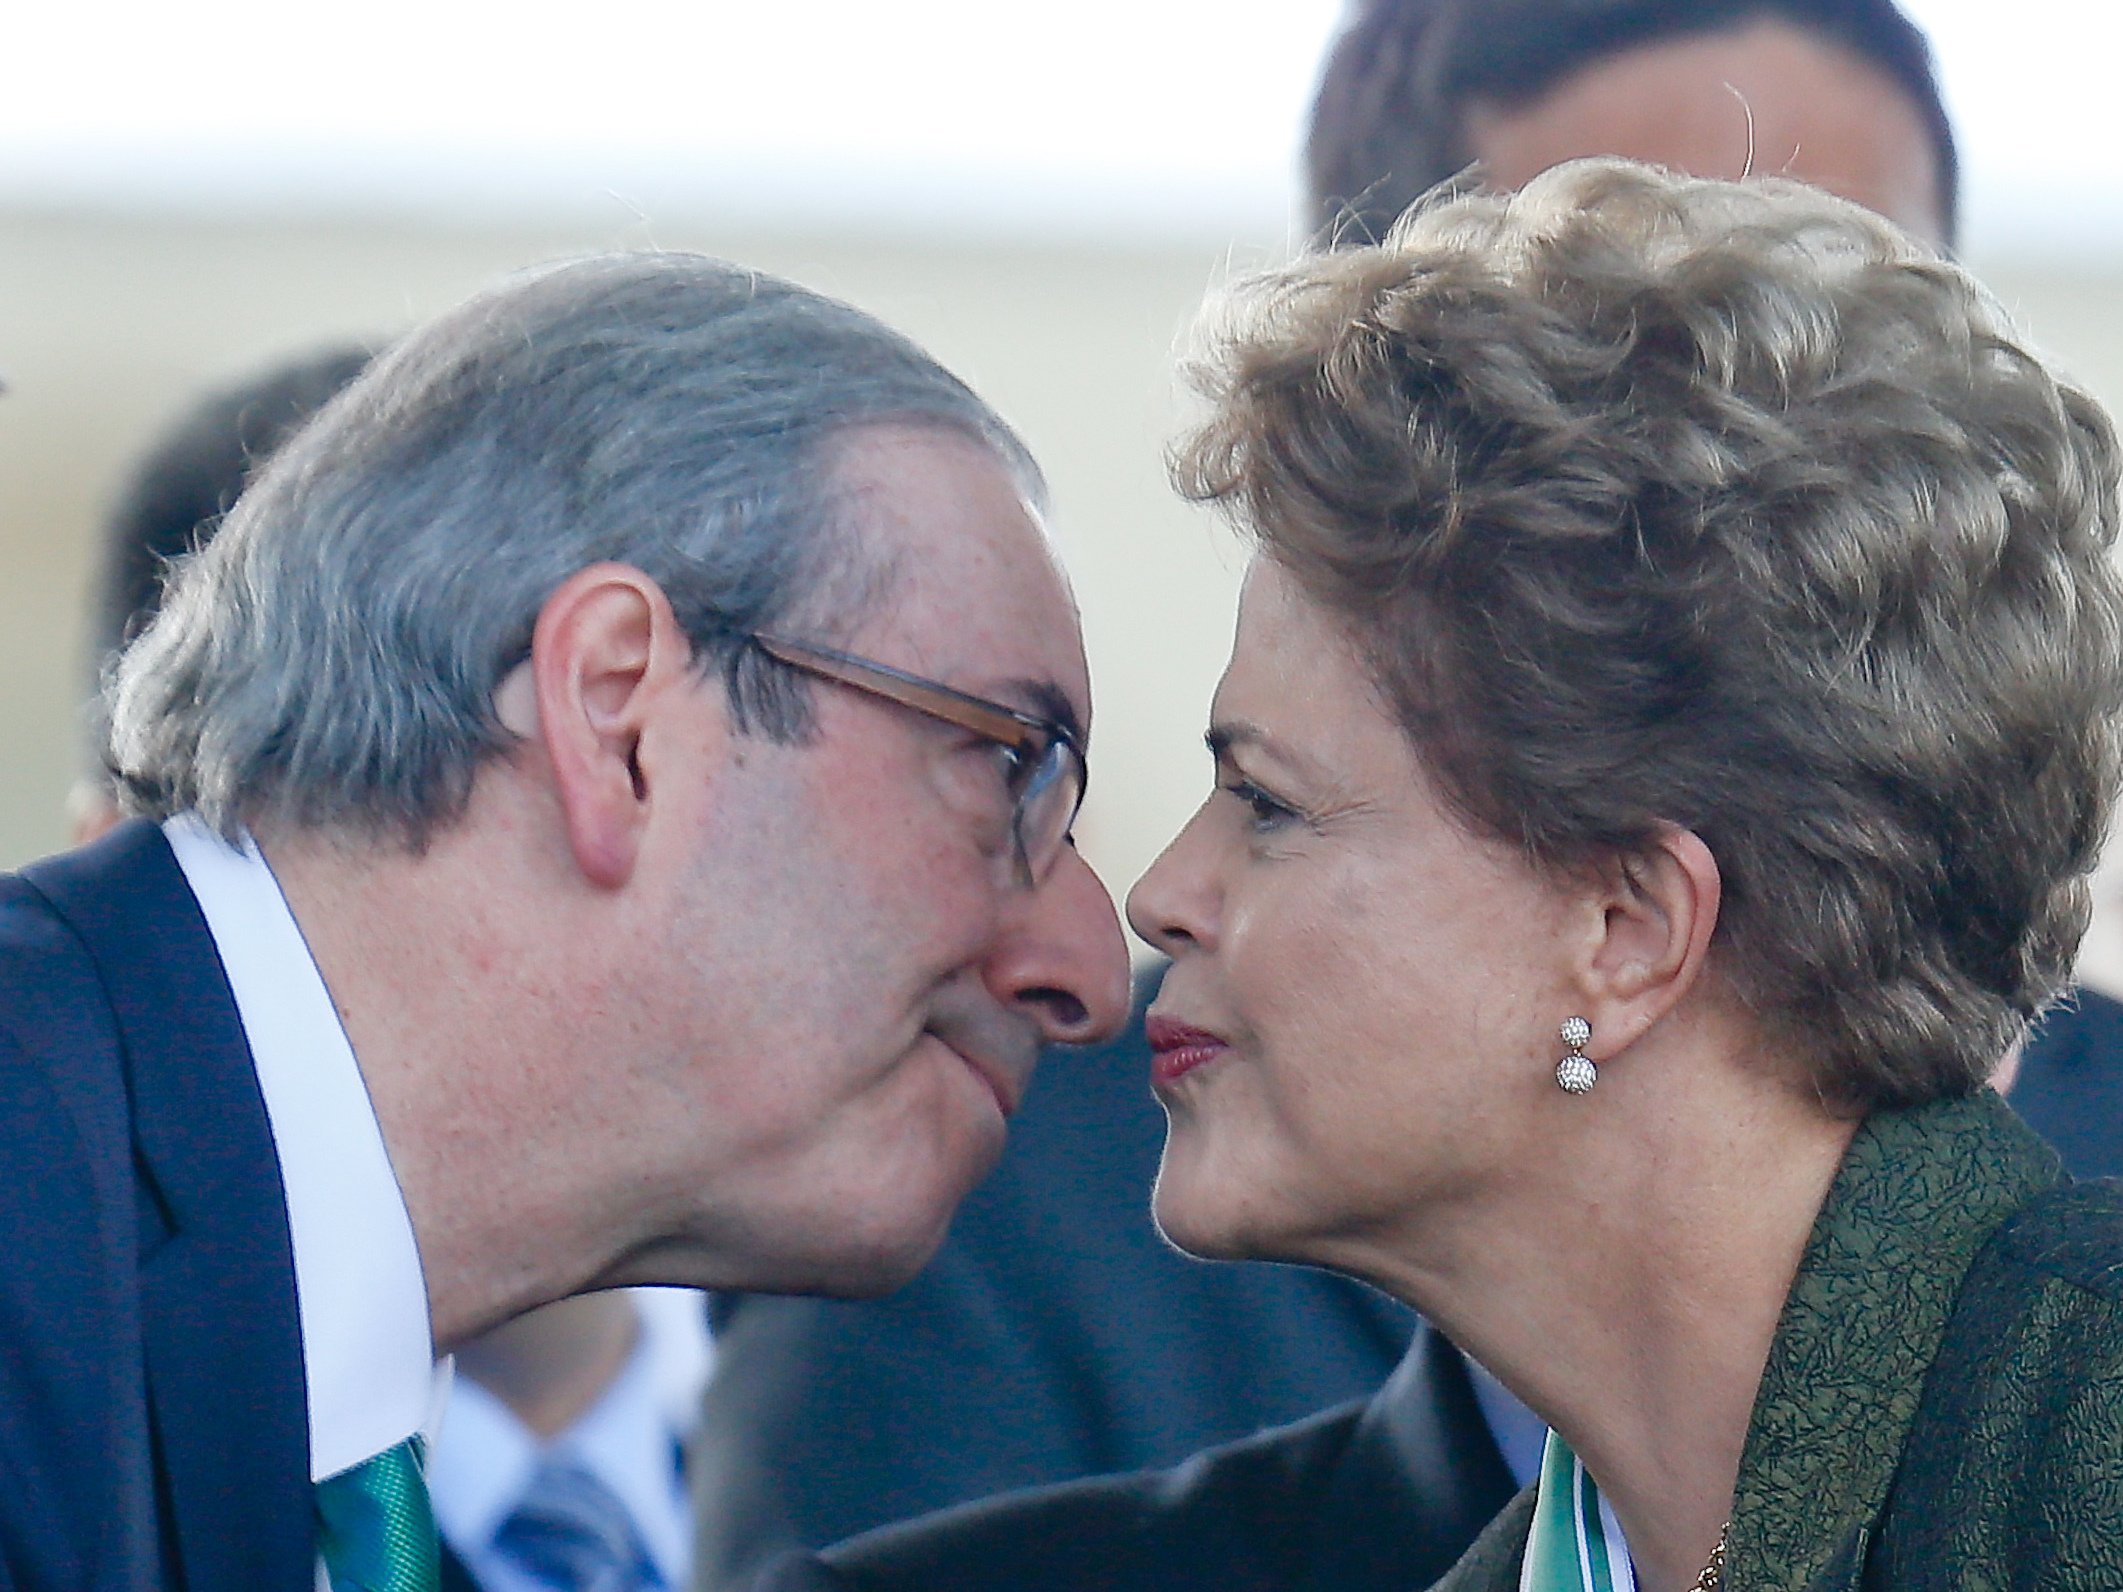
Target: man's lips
(998, 1046)
(1177, 1048)
(1005, 1082)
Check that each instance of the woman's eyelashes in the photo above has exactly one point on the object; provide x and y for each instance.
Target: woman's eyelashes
(1264, 813)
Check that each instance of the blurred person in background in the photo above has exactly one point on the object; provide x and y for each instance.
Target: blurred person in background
(642, 625)
(557, 1462)
(1624, 997)
(1011, 1362)
(1838, 93)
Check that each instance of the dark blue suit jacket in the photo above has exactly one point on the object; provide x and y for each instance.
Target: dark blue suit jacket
(153, 1418)
(1379, 1495)
(2070, 1088)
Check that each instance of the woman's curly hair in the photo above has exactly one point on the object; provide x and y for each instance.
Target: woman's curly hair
(1653, 501)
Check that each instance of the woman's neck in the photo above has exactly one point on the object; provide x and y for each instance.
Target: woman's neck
(1627, 1279)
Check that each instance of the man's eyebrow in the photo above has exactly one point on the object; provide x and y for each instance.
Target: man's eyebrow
(1049, 701)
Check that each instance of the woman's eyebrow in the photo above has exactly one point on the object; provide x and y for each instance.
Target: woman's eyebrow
(1226, 736)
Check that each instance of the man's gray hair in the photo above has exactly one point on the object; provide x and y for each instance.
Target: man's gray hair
(331, 658)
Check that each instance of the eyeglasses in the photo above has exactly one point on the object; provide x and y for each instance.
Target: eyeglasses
(1046, 772)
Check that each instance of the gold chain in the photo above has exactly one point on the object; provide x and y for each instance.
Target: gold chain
(1713, 1577)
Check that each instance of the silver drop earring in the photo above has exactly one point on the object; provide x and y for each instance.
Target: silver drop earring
(1576, 1073)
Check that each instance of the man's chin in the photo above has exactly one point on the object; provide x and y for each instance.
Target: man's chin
(875, 1273)
(867, 1264)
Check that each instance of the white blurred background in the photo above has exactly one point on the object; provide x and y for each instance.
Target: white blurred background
(1041, 194)
(1101, 119)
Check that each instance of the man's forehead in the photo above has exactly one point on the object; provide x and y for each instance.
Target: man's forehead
(976, 593)
(1056, 687)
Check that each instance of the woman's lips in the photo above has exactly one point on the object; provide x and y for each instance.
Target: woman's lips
(1176, 1048)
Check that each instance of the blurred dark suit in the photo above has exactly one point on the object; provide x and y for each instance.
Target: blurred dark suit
(1056, 1335)
(2070, 1088)
(1381, 1495)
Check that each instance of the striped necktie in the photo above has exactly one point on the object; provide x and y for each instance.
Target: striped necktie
(375, 1528)
(571, 1533)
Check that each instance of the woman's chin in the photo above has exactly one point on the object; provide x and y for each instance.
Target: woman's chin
(1195, 1219)
(1202, 1241)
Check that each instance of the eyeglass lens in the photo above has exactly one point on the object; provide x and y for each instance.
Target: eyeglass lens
(1046, 808)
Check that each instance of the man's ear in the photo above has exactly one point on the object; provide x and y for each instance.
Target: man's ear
(606, 655)
(1657, 910)
(91, 812)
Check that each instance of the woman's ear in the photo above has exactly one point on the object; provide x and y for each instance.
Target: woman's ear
(1659, 908)
(605, 654)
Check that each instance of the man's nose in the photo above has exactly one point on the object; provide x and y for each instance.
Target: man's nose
(1062, 961)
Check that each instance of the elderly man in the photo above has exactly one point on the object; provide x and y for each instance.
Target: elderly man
(614, 775)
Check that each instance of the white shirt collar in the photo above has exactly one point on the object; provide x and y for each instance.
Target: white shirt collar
(1521, 1436)
(367, 1350)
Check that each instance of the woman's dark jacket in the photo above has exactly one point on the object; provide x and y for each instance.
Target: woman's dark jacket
(1942, 1407)
(1943, 1402)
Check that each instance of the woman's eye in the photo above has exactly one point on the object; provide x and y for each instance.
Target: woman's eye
(1263, 811)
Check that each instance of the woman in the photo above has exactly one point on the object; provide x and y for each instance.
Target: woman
(1671, 720)
(1672, 717)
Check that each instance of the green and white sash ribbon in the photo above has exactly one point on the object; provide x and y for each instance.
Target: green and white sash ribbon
(1576, 1544)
